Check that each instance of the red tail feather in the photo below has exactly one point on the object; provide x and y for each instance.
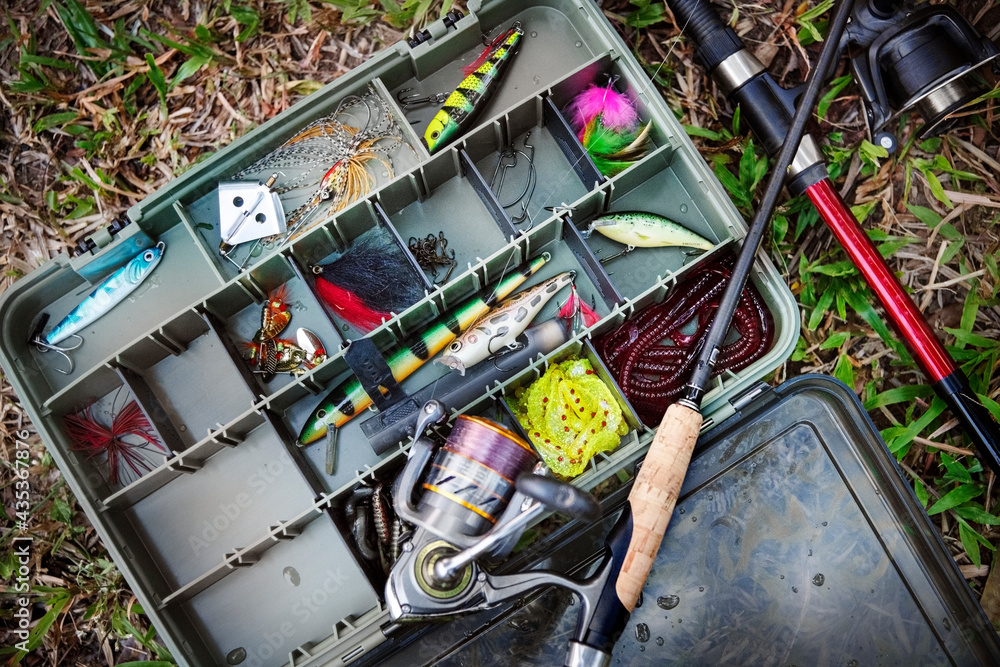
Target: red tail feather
(349, 306)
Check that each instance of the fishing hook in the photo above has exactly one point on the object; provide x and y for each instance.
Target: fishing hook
(627, 250)
(45, 347)
(417, 100)
(513, 347)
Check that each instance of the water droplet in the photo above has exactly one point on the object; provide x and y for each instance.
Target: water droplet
(825, 523)
(537, 80)
(291, 576)
(681, 510)
(794, 589)
(642, 648)
(819, 579)
(182, 428)
(668, 601)
(810, 552)
(642, 633)
(711, 497)
(659, 641)
(684, 208)
(701, 589)
(781, 576)
(236, 656)
(694, 519)
(578, 44)
(534, 33)
(947, 624)
(638, 603)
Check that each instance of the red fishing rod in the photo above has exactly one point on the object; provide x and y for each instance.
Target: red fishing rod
(928, 55)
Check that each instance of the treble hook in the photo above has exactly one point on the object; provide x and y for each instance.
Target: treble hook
(45, 347)
(416, 100)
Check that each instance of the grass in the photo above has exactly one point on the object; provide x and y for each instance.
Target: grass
(106, 102)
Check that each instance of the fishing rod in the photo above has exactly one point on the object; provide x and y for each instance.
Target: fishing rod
(635, 539)
(926, 60)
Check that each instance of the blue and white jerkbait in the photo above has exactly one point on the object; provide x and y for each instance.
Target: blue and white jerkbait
(105, 296)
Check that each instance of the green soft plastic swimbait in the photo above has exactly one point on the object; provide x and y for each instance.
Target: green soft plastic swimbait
(474, 92)
(348, 399)
(646, 230)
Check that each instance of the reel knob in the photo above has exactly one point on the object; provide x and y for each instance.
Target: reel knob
(560, 497)
(887, 140)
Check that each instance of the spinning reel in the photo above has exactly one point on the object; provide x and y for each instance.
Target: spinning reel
(480, 490)
(930, 60)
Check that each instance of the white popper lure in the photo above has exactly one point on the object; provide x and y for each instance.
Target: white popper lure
(498, 328)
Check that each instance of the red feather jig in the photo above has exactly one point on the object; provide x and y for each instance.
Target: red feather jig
(129, 436)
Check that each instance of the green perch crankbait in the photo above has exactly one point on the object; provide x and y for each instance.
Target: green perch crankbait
(348, 399)
(570, 415)
(639, 229)
(474, 92)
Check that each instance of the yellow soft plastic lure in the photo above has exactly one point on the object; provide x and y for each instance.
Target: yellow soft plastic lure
(570, 415)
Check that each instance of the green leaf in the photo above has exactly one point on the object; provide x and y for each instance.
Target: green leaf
(189, 67)
(928, 216)
(973, 512)
(822, 306)
(61, 511)
(905, 394)
(835, 340)
(955, 471)
(936, 188)
(646, 16)
(693, 131)
(969, 542)
(837, 85)
(844, 371)
(921, 491)
(156, 77)
(961, 494)
(971, 338)
(55, 120)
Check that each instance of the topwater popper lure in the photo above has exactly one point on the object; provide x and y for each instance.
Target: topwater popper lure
(639, 229)
(105, 296)
(348, 399)
(498, 328)
(474, 92)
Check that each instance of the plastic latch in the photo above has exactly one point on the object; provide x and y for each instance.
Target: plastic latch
(750, 395)
(373, 373)
(102, 237)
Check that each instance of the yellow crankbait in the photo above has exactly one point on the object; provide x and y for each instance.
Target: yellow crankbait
(570, 415)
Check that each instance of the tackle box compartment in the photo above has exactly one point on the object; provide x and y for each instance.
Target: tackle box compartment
(232, 537)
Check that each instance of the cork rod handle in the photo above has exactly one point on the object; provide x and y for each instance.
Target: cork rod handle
(654, 495)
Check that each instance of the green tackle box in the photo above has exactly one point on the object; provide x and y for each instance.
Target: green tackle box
(234, 540)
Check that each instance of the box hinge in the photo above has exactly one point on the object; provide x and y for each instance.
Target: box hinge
(437, 29)
(756, 390)
(102, 237)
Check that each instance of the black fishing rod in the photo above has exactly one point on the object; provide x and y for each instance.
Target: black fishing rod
(632, 544)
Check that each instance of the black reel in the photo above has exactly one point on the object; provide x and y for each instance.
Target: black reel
(929, 60)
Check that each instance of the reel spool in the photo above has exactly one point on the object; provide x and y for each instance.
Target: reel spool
(931, 61)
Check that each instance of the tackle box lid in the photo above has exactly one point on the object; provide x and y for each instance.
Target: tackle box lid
(796, 541)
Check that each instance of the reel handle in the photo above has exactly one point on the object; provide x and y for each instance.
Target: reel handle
(560, 497)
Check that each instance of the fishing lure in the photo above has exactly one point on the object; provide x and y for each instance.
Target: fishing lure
(95, 439)
(370, 281)
(274, 315)
(576, 311)
(607, 125)
(333, 158)
(482, 78)
(348, 399)
(570, 415)
(639, 229)
(651, 355)
(498, 328)
(105, 296)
